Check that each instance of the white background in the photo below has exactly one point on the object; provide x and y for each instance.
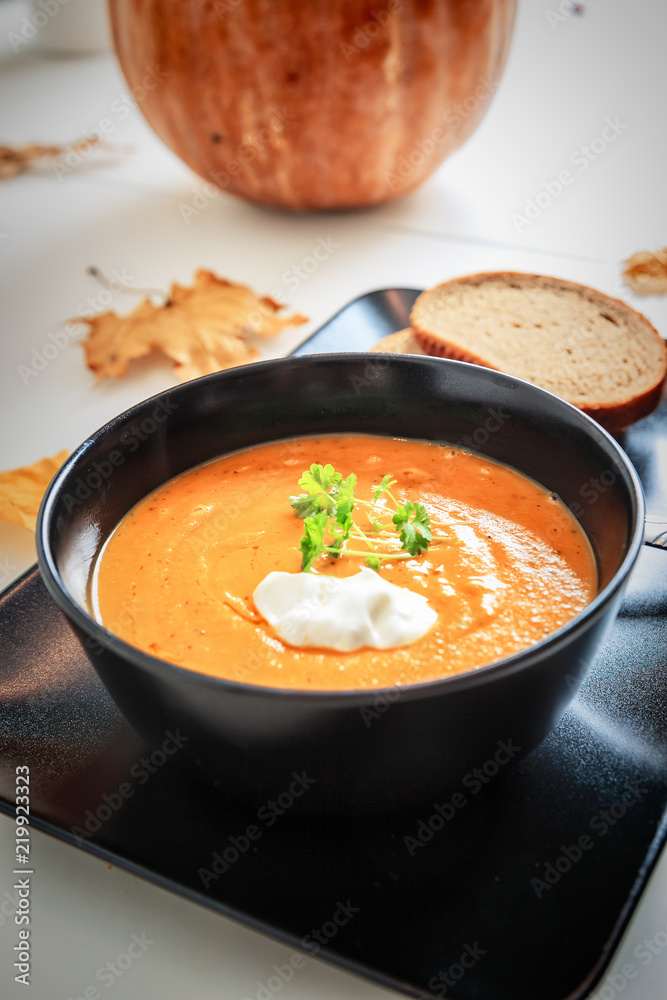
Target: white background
(566, 76)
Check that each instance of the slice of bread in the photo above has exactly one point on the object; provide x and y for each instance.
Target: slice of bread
(592, 350)
(402, 342)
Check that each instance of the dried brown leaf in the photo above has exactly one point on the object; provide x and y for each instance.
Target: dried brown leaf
(21, 490)
(17, 159)
(646, 272)
(202, 329)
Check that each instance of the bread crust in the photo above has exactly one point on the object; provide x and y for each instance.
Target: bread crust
(401, 342)
(614, 417)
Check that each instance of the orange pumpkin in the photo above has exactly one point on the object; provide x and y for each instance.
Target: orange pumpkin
(313, 104)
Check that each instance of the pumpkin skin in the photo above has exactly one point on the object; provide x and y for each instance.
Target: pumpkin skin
(313, 104)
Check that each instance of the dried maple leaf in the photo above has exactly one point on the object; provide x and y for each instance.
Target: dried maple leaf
(646, 272)
(17, 159)
(202, 329)
(21, 490)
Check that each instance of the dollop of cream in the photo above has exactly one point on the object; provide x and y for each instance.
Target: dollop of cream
(307, 609)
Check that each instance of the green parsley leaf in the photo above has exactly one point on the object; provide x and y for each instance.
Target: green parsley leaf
(327, 512)
(414, 527)
(342, 526)
(312, 541)
(344, 510)
(344, 490)
(320, 478)
(384, 487)
(305, 505)
(325, 488)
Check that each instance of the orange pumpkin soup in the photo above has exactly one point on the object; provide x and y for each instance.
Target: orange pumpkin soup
(508, 563)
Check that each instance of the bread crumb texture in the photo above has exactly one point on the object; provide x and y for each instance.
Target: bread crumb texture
(592, 350)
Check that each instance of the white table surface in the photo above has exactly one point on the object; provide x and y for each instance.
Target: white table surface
(566, 76)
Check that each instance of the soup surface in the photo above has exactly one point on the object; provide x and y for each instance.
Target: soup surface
(508, 563)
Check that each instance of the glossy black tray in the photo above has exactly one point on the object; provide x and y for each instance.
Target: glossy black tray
(523, 893)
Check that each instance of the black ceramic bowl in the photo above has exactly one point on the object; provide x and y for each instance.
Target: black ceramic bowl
(360, 751)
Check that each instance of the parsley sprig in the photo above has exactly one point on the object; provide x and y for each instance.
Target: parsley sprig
(326, 509)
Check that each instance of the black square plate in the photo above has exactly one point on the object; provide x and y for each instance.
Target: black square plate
(524, 892)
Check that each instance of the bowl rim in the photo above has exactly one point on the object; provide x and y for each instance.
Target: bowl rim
(522, 660)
